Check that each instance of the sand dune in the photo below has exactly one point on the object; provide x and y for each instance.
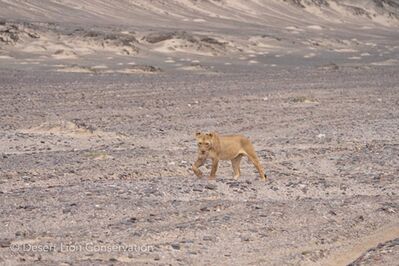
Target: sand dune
(142, 12)
(74, 32)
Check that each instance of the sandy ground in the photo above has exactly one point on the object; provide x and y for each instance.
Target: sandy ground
(106, 160)
(100, 101)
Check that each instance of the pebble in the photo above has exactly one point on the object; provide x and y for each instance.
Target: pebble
(130, 220)
(67, 210)
(5, 243)
(205, 209)
(245, 238)
(211, 186)
(175, 246)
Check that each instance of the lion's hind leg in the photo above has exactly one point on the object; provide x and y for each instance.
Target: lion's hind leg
(254, 159)
(236, 166)
(250, 152)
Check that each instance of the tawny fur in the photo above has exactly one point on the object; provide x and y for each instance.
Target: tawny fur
(228, 147)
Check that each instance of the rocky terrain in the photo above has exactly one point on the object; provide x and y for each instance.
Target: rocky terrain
(100, 103)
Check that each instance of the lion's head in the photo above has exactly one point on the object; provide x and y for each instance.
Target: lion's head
(204, 142)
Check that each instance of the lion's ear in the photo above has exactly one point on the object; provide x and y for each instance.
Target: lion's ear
(210, 134)
(198, 134)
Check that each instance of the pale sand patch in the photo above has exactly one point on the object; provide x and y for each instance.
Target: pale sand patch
(349, 252)
(131, 63)
(310, 55)
(364, 54)
(314, 27)
(170, 61)
(294, 28)
(345, 50)
(354, 58)
(199, 20)
(371, 44)
(227, 63)
(34, 59)
(253, 62)
(5, 57)
(29, 63)
(389, 62)
(263, 42)
(100, 67)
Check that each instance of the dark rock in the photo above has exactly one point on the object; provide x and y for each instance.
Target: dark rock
(211, 186)
(208, 238)
(205, 209)
(66, 210)
(130, 220)
(20, 233)
(175, 246)
(5, 243)
(245, 238)
(27, 207)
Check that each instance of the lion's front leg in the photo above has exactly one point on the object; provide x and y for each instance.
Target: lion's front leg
(200, 161)
(215, 164)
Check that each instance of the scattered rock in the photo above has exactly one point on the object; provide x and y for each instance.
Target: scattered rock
(66, 210)
(211, 186)
(129, 221)
(208, 238)
(175, 246)
(205, 209)
(5, 243)
(245, 238)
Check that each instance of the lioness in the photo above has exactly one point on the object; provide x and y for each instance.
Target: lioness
(229, 147)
